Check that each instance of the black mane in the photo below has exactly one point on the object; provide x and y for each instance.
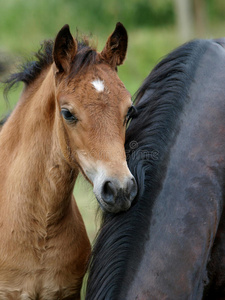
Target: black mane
(30, 70)
(160, 102)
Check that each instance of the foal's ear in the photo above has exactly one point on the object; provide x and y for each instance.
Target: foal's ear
(115, 49)
(65, 49)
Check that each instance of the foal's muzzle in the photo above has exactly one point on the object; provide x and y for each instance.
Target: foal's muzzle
(115, 197)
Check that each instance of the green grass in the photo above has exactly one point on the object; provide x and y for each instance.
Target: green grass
(88, 206)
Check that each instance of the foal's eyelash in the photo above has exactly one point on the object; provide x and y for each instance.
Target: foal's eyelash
(132, 113)
(68, 116)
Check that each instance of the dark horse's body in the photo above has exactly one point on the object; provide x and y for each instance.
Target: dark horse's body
(171, 243)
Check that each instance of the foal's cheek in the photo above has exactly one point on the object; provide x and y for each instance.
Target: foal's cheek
(78, 150)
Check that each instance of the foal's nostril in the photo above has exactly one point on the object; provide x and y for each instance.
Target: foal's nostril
(131, 189)
(117, 196)
(109, 192)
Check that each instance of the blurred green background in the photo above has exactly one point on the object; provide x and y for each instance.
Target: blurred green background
(155, 27)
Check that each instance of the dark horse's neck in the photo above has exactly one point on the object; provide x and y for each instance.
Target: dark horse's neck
(163, 243)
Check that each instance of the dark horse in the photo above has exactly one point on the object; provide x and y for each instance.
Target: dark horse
(171, 244)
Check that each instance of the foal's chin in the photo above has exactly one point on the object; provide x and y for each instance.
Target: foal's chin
(121, 206)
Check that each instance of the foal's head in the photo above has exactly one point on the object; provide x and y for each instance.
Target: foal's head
(92, 109)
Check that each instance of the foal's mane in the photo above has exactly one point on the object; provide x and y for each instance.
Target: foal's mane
(31, 69)
(160, 102)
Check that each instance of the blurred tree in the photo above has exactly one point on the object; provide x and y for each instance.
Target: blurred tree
(184, 18)
(191, 17)
(200, 15)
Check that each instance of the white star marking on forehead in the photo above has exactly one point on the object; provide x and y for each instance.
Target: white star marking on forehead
(99, 85)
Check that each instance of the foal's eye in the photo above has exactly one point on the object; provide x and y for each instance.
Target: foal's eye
(68, 116)
(132, 113)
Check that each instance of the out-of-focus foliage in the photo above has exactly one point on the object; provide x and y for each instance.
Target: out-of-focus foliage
(42, 18)
(135, 13)
(216, 10)
(40, 15)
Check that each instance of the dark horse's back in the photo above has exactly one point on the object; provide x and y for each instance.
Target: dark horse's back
(171, 243)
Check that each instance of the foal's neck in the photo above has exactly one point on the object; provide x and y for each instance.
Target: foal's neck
(31, 158)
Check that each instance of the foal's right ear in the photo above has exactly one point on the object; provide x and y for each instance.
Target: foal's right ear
(115, 49)
(65, 49)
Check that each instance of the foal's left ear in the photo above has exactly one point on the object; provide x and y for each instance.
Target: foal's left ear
(115, 49)
(65, 49)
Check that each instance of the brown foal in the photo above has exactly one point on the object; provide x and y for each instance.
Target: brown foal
(70, 118)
